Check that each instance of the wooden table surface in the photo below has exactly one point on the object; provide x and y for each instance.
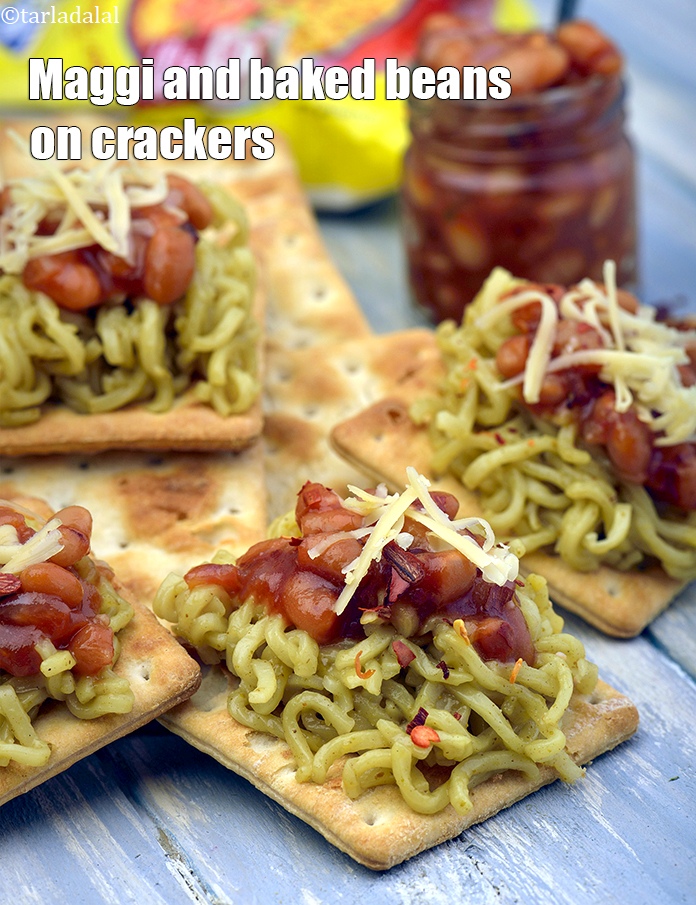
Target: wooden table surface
(151, 820)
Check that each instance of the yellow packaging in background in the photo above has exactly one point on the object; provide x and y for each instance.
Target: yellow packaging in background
(349, 152)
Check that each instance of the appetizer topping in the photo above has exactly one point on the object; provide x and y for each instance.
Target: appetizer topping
(592, 355)
(111, 295)
(438, 678)
(374, 558)
(89, 236)
(49, 601)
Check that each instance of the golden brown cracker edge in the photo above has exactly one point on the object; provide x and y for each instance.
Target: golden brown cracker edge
(384, 441)
(161, 675)
(188, 425)
(378, 829)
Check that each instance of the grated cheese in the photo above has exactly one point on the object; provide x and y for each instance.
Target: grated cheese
(496, 562)
(91, 206)
(15, 557)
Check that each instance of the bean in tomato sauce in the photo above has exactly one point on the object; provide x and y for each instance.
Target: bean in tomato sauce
(580, 395)
(162, 256)
(302, 578)
(52, 601)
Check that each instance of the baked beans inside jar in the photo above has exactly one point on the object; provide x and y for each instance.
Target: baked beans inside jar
(302, 578)
(56, 600)
(541, 183)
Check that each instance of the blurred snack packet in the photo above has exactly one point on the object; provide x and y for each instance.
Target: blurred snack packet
(349, 152)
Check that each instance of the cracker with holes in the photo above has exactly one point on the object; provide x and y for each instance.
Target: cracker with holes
(79, 665)
(153, 513)
(379, 669)
(310, 390)
(565, 418)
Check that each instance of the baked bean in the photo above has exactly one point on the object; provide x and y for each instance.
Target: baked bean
(687, 374)
(169, 264)
(329, 520)
(330, 562)
(147, 220)
(553, 390)
(511, 357)
(527, 317)
(309, 601)
(319, 510)
(448, 574)
(595, 428)
(589, 50)
(673, 475)
(191, 200)
(76, 532)
(534, 65)
(65, 278)
(629, 446)
(225, 575)
(10, 516)
(92, 647)
(50, 578)
(627, 301)
(447, 502)
(574, 336)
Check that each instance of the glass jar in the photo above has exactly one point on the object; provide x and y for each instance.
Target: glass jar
(541, 184)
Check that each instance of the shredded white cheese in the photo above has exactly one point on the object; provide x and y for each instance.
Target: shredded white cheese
(496, 562)
(90, 207)
(15, 557)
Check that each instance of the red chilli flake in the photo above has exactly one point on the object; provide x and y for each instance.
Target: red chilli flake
(404, 654)
(424, 736)
(457, 715)
(499, 439)
(358, 669)
(445, 669)
(515, 670)
(418, 720)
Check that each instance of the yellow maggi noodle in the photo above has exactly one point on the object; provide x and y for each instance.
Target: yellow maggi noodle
(534, 481)
(143, 352)
(352, 703)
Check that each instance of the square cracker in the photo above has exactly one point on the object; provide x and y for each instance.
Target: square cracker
(382, 441)
(161, 675)
(310, 390)
(378, 829)
(189, 424)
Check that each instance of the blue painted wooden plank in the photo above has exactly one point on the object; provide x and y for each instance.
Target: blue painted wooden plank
(624, 833)
(79, 839)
